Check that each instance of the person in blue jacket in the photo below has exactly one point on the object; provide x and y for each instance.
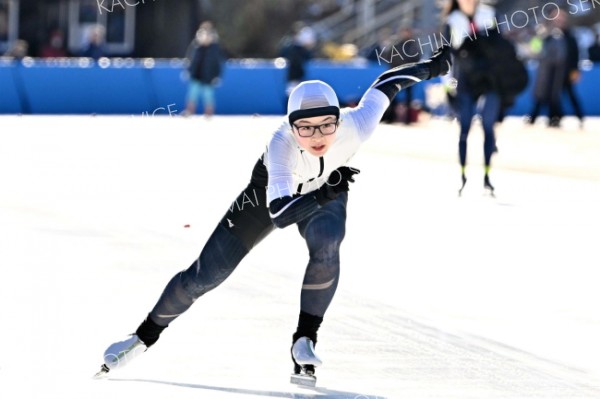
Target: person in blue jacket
(204, 69)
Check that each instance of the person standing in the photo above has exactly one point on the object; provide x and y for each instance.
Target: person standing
(302, 178)
(96, 43)
(594, 49)
(297, 50)
(466, 22)
(573, 75)
(18, 50)
(558, 71)
(55, 46)
(204, 69)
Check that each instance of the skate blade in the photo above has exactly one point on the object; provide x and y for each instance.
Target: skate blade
(304, 380)
(103, 373)
(489, 192)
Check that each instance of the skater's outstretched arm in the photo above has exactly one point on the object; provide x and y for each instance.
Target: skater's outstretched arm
(372, 105)
(285, 206)
(392, 81)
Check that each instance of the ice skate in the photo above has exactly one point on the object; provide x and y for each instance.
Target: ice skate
(464, 182)
(305, 361)
(488, 185)
(120, 354)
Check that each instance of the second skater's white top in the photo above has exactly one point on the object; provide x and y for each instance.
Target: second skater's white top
(460, 26)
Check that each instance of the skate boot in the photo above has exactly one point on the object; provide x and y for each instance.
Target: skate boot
(120, 354)
(305, 360)
(488, 185)
(464, 182)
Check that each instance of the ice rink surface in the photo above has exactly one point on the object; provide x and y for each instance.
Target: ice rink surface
(440, 296)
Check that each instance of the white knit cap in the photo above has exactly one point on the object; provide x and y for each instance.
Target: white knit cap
(312, 98)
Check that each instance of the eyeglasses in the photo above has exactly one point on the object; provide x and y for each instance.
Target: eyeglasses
(325, 129)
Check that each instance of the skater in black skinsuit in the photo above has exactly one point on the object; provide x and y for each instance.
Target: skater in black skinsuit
(300, 179)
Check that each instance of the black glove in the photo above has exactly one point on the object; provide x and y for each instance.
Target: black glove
(338, 182)
(440, 62)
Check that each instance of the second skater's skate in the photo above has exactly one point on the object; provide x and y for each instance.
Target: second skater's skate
(487, 185)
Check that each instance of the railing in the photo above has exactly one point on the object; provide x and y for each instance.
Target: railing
(359, 23)
(403, 14)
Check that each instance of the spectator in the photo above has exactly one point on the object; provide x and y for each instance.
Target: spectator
(375, 51)
(594, 50)
(536, 43)
(204, 68)
(557, 71)
(298, 50)
(573, 74)
(289, 38)
(3, 23)
(55, 47)
(96, 46)
(18, 50)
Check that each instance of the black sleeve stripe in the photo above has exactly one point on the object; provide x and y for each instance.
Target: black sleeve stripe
(409, 77)
(392, 81)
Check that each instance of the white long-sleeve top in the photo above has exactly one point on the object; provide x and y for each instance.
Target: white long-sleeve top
(294, 171)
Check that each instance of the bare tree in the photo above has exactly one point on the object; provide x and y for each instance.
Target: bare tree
(253, 28)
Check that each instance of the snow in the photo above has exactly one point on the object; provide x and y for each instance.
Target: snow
(440, 296)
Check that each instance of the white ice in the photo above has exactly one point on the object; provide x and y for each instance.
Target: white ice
(440, 296)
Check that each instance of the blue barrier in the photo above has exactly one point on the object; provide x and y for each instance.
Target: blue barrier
(79, 86)
(10, 101)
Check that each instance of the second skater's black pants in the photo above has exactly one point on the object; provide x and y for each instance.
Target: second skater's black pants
(245, 224)
(467, 108)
